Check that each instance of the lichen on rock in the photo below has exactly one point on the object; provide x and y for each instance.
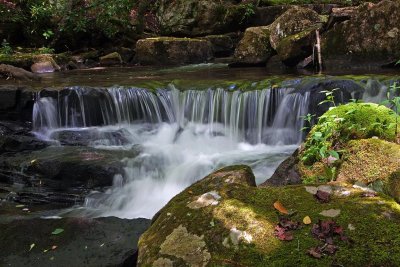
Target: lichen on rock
(191, 248)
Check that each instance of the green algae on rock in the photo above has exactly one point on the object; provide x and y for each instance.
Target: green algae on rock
(239, 230)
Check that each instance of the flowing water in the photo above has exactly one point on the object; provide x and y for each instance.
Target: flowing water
(182, 135)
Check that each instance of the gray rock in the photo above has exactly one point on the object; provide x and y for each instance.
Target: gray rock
(172, 51)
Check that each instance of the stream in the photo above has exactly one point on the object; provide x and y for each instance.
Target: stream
(184, 129)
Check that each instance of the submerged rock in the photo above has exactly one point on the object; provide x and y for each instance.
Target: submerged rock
(83, 242)
(241, 229)
(172, 51)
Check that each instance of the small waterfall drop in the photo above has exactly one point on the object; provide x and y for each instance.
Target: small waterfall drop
(181, 136)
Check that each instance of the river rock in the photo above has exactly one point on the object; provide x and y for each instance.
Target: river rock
(242, 226)
(296, 47)
(85, 137)
(83, 242)
(254, 48)
(172, 51)
(201, 17)
(295, 20)
(44, 63)
(222, 45)
(287, 172)
(372, 34)
(264, 16)
(111, 59)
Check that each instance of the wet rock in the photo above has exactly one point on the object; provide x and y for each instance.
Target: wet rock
(19, 143)
(64, 168)
(84, 242)
(254, 48)
(293, 21)
(287, 173)
(111, 59)
(44, 63)
(16, 103)
(346, 89)
(294, 48)
(8, 71)
(243, 224)
(172, 51)
(340, 14)
(372, 34)
(92, 136)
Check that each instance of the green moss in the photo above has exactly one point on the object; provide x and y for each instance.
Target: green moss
(347, 122)
(392, 186)
(379, 159)
(250, 210)
(362, 120)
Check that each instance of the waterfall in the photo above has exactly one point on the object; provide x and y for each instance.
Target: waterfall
(259, 116)
(183, 135)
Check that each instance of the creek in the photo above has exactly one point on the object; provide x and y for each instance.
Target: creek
(184, 129)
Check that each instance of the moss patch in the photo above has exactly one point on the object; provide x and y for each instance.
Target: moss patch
(378, 158)
(246, 213)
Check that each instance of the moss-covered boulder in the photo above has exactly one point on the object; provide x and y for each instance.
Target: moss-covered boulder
(294, 48)
(201, 17)
(254, 48)
(295, 20)
(372, 162)
(347, 122)
(172, 51)
(113, 58)
(373, 34)
(223, 220)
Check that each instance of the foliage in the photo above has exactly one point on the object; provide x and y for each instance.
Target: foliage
(44, 22)
(393, 101)
(5, 48)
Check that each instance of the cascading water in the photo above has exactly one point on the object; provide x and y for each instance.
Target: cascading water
(181, 135)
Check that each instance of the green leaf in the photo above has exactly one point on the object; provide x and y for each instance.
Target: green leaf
(317, 134)
(32, 246)
(57, 231)
(334, 154)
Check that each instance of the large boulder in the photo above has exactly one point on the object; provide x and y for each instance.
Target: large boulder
(372, 34)
(201, 17)
(172, 51)
(83, 242)
(296, 47)
(293, 21)
(254, 48)
(223, 220)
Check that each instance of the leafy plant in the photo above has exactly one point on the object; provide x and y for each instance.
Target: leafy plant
(393, 102)
(5, 48)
